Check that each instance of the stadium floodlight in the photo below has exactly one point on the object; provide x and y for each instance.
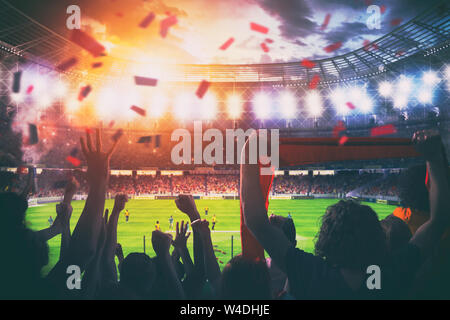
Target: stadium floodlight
(339, 98)
(234, 106)
(365, 104)
(288, 105)
(72, 104)
(314, 103)
(430, 78)
(158, 105)
(183, 106)
(208, 107)
(60, 89)
(385, 89)
(400, 101)
(262, 105)
(425, 96)
(405, 85)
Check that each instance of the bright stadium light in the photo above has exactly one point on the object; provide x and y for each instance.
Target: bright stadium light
(400, 101)
(339, 98)
(405, 85)
(261, 105)
(208, 107)
(314, 104)
(288, 105)
(183, 106)
(234, 106)
(158, 106)
(60, 89)
(425, 96)
(430, 78)
(385, 89)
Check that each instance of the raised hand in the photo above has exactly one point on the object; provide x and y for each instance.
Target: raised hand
(97, 160)
(181, 237)
(119, 202)
(202, 227)
(63, 215)
(161, 242)
(428, 143)
(186, 204)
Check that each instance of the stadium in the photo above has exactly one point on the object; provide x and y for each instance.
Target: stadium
(345, 124)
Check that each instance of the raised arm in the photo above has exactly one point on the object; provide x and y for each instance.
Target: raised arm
(429, 144)
(71, 189)
(108, 263)
(180, 245)
(271, 238)
(161, 244)
(186, 204)
(211, 266)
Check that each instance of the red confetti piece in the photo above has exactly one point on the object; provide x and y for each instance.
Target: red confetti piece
(268, 40)
(147, 20)
(396, 22)
(84, 91)
(314, 81)
(166, 24)
(67, 64)
(338, 128)
(139, 111)
(383, 130)
(382, 8)
(350, 105)
(202, 89)
(97, 64)
(74, 161)
(117, 135)
(89, 130)
(258, 28)
(333, 47)
(308, 63)
(343, 140)
(143, 81)
(87, 43)
(264, 47)
(111, 124)
(30, 89)
(427, 180)
(227, 44)
(326, 21)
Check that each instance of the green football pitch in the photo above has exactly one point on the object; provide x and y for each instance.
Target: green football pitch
(145, 213)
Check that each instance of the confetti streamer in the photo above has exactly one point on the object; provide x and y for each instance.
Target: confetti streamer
(383, 130)
(202, 89)
(138, 110)
(143, 81)
(30, 89)
(350, 105)
(227, 44)
(74, 161)
(268, 40)
(147, 20)
(264, 47)
(166, 24)
(314, 81)
(67, 64)
(16, 81)
(258, 28)
(117, 135)
(325, 22)
(343, 140)
(87, 43)
(84, 92)
(333, 47)
(308, 64)
(396, 22)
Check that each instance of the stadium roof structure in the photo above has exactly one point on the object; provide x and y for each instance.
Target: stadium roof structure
(426, 34)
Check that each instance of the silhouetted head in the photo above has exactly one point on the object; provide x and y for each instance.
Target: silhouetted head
(412, 191)
(13, 207)
(285, 224)
(245, 279)
(397, 232)
(138, 273)
(351, 236)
